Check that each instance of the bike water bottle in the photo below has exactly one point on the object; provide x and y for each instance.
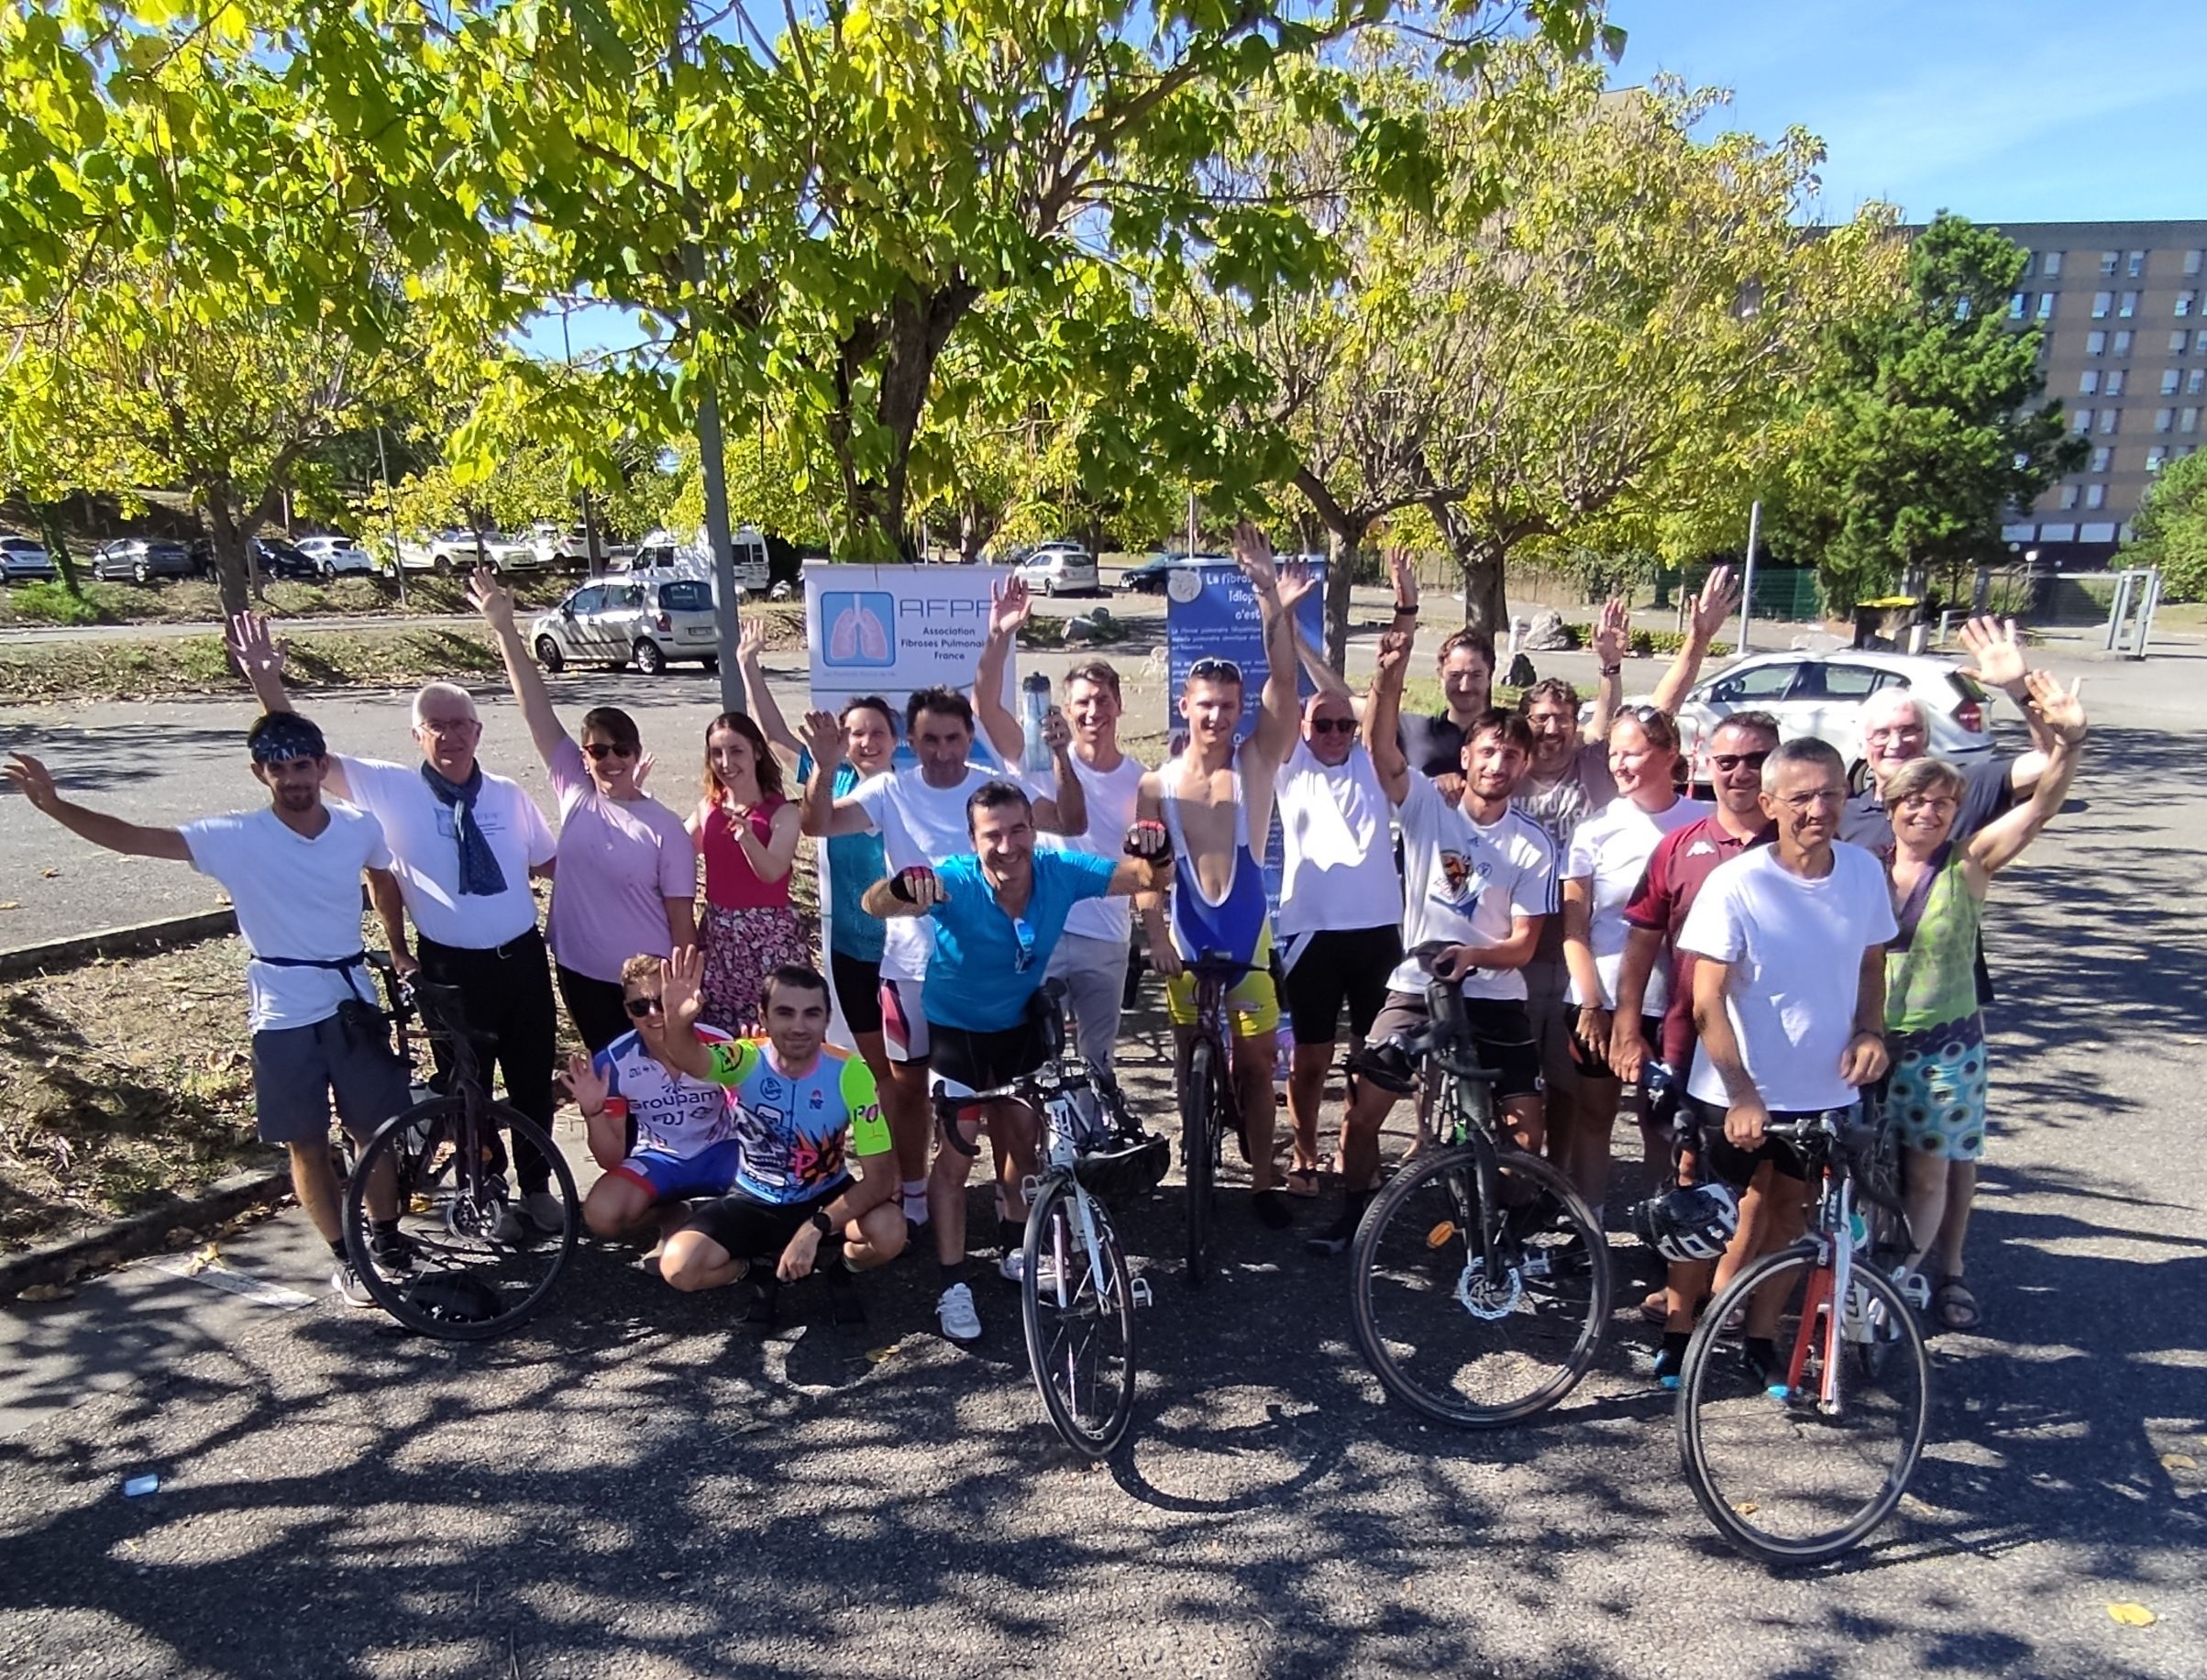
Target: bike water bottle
(1034, 706)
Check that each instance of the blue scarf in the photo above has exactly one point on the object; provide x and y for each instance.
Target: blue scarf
(479, 875)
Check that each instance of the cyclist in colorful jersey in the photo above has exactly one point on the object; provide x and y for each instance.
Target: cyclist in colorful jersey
(997, 913)
(660, 1135)
(802, 1110)
(1215, 799)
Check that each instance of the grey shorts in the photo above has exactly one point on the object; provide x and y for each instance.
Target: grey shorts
(296, 1069)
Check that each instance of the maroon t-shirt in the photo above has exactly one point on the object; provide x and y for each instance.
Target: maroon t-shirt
(1680, 864)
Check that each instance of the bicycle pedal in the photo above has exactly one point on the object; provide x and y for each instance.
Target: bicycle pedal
(1138, 1291)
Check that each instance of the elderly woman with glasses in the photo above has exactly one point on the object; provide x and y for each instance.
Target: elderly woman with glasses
(624, 879)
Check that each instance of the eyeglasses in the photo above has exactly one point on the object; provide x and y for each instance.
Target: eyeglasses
(448, 725)
(1021, 931)
(645, 1006)
(1213, 669)
(1725, 763)
(1332, 725)
(1803, 803)
(600, 751)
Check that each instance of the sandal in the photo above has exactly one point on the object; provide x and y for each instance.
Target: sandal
(1955, 1307)
(1302, 1181)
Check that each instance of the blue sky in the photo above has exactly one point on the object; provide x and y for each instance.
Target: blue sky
(2024, 110)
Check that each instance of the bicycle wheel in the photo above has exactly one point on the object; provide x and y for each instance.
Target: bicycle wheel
(1461, 1342)
(460, 1279)
(1801, 1471)
(1199, 1095)
(1076, 1300)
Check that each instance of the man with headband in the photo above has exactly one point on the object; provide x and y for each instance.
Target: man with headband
(463, 845)
(294, 871)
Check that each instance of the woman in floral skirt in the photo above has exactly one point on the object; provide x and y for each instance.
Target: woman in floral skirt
(747, 830)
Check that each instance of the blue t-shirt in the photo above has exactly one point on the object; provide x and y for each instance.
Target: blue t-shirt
(980, 978)
(855, 863)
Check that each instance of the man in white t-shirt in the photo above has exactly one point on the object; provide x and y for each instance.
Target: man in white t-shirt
(1092, 954)
(294, 870)
(1341, 897)
(920, 813)
(1788, 994)
(1478, 878)
(463, 844)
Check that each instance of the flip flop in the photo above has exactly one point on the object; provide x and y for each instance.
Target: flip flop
(1955, 1306)
(1302, 1181)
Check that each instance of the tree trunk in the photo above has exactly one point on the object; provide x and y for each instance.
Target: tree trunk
(55, 536)
(1480, 561)
(1343, 551)
(228, 533)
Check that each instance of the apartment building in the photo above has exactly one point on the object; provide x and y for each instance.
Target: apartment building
(2125, 350)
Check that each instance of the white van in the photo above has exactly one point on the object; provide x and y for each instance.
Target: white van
(662, 554)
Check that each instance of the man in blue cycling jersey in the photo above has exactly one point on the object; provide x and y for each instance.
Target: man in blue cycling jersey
(997, 913)
(1215, 799)
(802, 1109)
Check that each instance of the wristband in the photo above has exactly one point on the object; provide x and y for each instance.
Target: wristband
(900, 887)
(1406, 611)
(1611, 670)
(821, 1222)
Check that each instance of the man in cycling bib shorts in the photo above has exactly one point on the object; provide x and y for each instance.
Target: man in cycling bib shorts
(1215, 801)
(803, 1108)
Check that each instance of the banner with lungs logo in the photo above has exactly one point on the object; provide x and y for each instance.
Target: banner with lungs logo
(889, 630)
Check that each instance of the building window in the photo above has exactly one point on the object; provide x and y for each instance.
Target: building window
(2088, 382)
(2168, 382)
(2191, 262)
(2187, 302)
(2069, 495)
(2084, 421)
(2107, 262)
(2138, 264)
(2188, 422)
(2123, 343)
(2163, 419)
(2101, 457)
(2111, 421)
(2095, 343)
(2196, 382)
(2155, 456)
(2179, 342)
(2050, 265)
(2045, 305)
(2129, 305)
(2019, 302)
(2103, 302)
(2095, 495)
(2115, 381)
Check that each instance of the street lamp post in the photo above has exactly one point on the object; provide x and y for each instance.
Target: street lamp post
(1747, 582)
(391, 506)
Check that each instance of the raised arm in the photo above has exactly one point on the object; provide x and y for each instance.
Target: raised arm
(261, 658)
(1383, 716)
(1328, 681)
(1066, 810)
(825, 816)
(2061, 714)
(1996, 659)
(1612, 636)
(32, 779)
(495, 602)
(1274, 737)
(1156, 927)
(680, 978)
(1147, 867)
(758, 698)
(911, 892)
(1713, 609)
(1009, 606)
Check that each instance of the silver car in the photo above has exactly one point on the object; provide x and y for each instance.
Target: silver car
(24, 560)
(622, 621)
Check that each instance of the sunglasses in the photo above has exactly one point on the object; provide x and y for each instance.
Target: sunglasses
(1725, 763)
(1213, 669)
(600, 751)
(1021, 931)
(1332, 725)
(643, 1008)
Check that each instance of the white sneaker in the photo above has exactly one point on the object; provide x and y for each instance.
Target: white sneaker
(1012, 1268)
(960, 1323)
(346, 1285)
(546, 1212)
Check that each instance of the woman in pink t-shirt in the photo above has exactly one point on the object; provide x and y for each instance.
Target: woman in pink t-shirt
(747, 831)
(624, 880)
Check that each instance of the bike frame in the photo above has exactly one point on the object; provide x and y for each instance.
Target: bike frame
(1211, 987)
(1831, 1276)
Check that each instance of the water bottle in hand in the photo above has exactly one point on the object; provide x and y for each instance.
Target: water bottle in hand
(1034, 706)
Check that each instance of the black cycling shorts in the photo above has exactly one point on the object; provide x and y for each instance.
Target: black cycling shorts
(1502, 1036)
(751, 1228)
(857, 984)
(1701, 1134)
(1333, 968)
(964, 1062)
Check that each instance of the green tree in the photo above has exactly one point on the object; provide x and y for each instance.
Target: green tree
(2170, 529)
(1925, 428)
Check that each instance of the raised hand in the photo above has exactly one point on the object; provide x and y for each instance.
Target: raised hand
(1996, 655)
(30, 778)
(644, 763)
(1009, 604)
(1150, 842)
(258, 656)
(1394, 651)
(1404, 576)
(681, 976)
(491, 599)
(1296, 581)
(823, 737)
(588, 1088)
(1253, 553)
(1718, 600)
(751, 641)
(1612, 632)
(2059, 709)
(918, 884)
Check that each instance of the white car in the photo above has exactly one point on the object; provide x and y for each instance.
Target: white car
(24, 560)
(570, 544)
(1821, 694)
(617, 621)
(1057, 568)
(336, 557)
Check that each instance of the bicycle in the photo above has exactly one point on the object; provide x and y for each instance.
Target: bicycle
(454, 1275)
(1798, 1470)
(1208, 1107)
(1480, 1278)
(1077, 1295)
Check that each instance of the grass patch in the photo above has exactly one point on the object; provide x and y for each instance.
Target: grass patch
(51, 604)
(198, 600)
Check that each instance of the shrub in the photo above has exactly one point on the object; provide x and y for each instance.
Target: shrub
(51, 604)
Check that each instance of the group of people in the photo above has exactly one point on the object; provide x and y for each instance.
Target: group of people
(1767, 955)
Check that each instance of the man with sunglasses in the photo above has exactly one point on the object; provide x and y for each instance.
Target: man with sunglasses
(464, 843)
(998, 912)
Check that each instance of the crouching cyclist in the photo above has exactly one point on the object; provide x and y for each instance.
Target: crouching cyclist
(802, 1109)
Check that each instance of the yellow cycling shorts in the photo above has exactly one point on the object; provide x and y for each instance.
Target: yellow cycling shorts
(1252, 1007)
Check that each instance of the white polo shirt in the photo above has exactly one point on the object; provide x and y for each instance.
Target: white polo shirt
(425, 851)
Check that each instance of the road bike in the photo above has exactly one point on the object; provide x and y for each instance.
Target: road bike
(1480, 1278)
(1077, 1295)
(1209, 1111)
(464, 1267)
(1798, 1464)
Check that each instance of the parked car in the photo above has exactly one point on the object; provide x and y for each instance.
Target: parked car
(647, 621)
(24, 560)
(138, 559)
(1148, 577)
(666, 555)
(336, 557)
(1821, 694)
(461, 552)
(511, 553)
(1056, 569)
(555, 545)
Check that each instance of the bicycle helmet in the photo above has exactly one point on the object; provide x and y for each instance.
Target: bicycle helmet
(1390, 1064)
(452, 1298)
(1687, 1225)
